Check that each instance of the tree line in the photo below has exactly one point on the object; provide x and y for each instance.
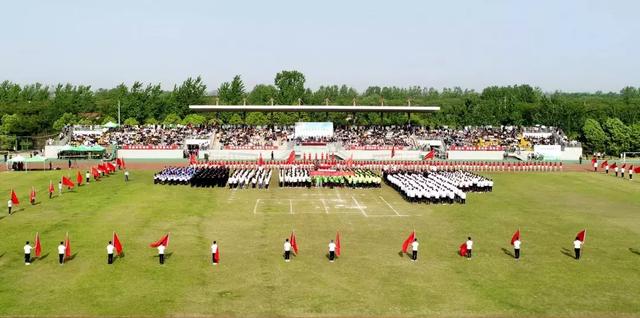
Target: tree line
(605, 122)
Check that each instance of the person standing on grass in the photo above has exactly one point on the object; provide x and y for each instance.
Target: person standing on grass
(161, 249)
(516, 248)
(87, 176)
(332, 251)
(61, 249)
(60, 187)
(214, 250)
(10, 205)
(469, 244)
(27, 253)
(577, 245)
(126, 175)
(414, 250)
(110, 249)
(287, 250)
(616, 170)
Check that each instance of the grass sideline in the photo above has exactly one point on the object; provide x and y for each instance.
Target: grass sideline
(370, 279)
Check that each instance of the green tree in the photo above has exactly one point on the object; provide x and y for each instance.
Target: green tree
(619, 136)
(107, 119)
(172, 119)
(232, 93)
(131, 122)
(151, 121)
(290, 86)
(65, 119)
(194, 119)
(595, 139)
(190, 92)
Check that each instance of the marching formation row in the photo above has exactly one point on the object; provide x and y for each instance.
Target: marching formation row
(114, 247)
(444, 187)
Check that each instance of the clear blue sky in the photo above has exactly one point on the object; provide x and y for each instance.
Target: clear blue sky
(568, 45)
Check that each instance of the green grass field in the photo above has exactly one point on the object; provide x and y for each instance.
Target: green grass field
(370, 279)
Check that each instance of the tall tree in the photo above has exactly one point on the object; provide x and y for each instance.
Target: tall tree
(290, 86)
(232, 93)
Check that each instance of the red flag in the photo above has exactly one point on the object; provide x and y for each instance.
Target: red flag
(67, 245)
(582, 235)
(636, 170)
(95, 173)
(79, 178)
(217, 255)
(292, 157)
(337, 243)
(51, 189)
(192, 159)
(593, 160)
(613, 166)
(430, 155)
(14, 198)
(162, 241)
(294, 243)
(350, 161)
(405, 244)
(623, 165)
(32, 195)
(393, 151)
(120, 162)
(516, 236)
(463, 249)
(111, 167)
(67, 182)
(117, 244)
(38, 246)
(260, 160)
(604, 163)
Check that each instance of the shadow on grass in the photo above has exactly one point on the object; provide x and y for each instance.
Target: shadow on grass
(70, 258)
(508, 252)
(1, 255)
(567, 252)
(401, 254)
(634, 251)
(2, 217)
(43, 256)
(166, 256)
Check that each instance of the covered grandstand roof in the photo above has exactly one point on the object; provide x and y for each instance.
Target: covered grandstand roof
(314, 108)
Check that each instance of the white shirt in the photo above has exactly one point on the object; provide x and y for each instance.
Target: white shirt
(27, 249)
(9, 203)
(577, 244)
(287, 246)
(161, 249)
(332, 247)
(59, 186)
(469, 244)
(516, 244)
(214, 248)
(61, 249)
(414, 245)
(110, 249)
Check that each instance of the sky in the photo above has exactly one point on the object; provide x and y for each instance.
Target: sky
(568, 45)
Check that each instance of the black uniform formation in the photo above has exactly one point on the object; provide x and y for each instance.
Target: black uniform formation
(210, 177)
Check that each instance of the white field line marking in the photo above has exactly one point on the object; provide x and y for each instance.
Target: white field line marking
(255, 208)
(359, 207)
(326, 209)
(387, 216)
(389, 205)
(290, 206)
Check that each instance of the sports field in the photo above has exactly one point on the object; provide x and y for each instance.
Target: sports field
(370, 279)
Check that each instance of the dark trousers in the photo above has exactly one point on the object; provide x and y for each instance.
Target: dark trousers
(27, 258)
(60, 258)
(109, 258)
(87, 180)
(577, 250)
(622, 175)
(9, 210)
(287, 255)
(161, 258)
(469, 253)
(332, 255)
(126, 178)
(213, 258)
(414, 255)
(516, 251)
(50, 194)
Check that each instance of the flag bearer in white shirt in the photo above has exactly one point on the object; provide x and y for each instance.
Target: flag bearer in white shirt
(469, 246)
(287, 250)
(27, 253)
(214, 250)
(414, 249)
(577, 244)
(161, 249)
(110, 249)
(332, 251)
(87, 176)
(61, 250)
(516, 248)
(10, 205)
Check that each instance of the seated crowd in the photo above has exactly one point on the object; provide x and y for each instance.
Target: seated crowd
(146, 135)
(253, 136)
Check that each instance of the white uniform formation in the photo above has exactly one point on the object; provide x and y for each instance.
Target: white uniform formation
(255, 178)
(294, 177)
(437, 187)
